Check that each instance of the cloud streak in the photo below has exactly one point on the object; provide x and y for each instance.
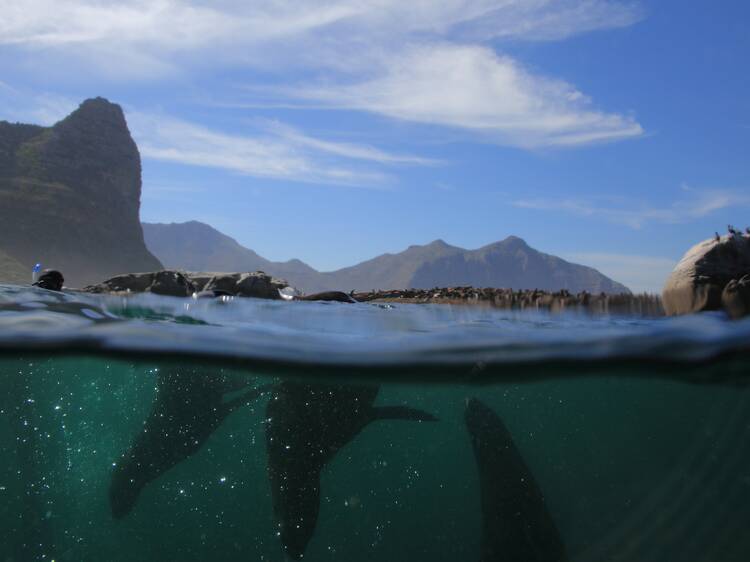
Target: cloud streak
(281, 152)
(696, 205)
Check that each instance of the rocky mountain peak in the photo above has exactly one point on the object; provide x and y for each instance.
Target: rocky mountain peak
(71, 195)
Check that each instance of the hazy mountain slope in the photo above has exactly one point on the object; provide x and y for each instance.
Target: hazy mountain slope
(195, 246)
(390, 271)
(510, 263)
(13, 272)
(70, 195)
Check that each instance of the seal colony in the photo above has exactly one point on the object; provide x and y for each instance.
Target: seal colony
(306, 426)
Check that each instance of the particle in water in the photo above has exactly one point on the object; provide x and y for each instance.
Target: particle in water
(223, 479)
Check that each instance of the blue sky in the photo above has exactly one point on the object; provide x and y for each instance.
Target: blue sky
(612, 133)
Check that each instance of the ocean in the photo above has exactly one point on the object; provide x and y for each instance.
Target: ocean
(161, 429)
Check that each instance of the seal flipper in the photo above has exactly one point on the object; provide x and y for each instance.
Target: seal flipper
(401, 413)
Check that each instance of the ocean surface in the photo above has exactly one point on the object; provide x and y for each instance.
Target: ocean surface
(161, 429)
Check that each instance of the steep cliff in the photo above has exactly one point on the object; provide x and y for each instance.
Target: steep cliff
(70, 195)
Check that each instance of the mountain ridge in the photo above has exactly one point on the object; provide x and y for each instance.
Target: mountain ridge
(507, 263)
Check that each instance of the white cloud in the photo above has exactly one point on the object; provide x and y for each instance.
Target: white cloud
(696, 204)
(638, 273)
(473, 88)
(281, 153)
(177, 25)
(421, 61)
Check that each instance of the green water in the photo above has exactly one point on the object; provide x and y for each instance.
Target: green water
(632, 470)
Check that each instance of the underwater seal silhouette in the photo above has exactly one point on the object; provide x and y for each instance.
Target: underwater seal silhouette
(189, 407)
(307, 424)
(516, 526)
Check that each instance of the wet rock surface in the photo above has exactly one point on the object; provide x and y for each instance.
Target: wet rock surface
(186, 284)
(705, 272)
(168, 283)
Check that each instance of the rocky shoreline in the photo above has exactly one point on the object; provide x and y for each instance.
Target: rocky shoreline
(260, 285)
(624, 303)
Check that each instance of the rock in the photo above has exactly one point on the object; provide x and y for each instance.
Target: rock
(168, 283)
(697, 282)
(257, 285)
(181, 284)
(171, 283)
(735, 298)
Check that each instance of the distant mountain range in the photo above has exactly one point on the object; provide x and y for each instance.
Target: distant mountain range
(196, 246)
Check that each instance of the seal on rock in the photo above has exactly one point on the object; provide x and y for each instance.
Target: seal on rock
(307, 424)
(515, 522)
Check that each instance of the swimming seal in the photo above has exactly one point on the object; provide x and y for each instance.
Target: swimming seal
(516, 525)
(50, 279)
(307, 424)
(188, 408)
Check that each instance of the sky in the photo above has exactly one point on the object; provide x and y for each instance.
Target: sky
(615, 134)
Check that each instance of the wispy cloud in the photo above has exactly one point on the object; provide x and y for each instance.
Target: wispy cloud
(422, 61)
(347, 150)
(473, 88)
(695, 204)
(177, 25)
(42, 109)
(638, 273)
(280, 152)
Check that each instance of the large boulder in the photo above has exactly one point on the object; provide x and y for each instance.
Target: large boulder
(257, 284)
(168, 283)
(699, 279)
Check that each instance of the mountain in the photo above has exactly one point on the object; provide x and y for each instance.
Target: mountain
(13, 272)
(70, 196)
(195, 246)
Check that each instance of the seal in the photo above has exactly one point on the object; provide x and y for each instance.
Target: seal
(515, 522)
(328, 296)
(307, 424)
(188, 408)
(50, 279)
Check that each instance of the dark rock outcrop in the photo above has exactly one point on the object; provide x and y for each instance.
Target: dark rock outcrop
(184, 284)
(703, 273)
(509, 263)
(167, 283)
(70, 195)
(256, 284)
(735, 298)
